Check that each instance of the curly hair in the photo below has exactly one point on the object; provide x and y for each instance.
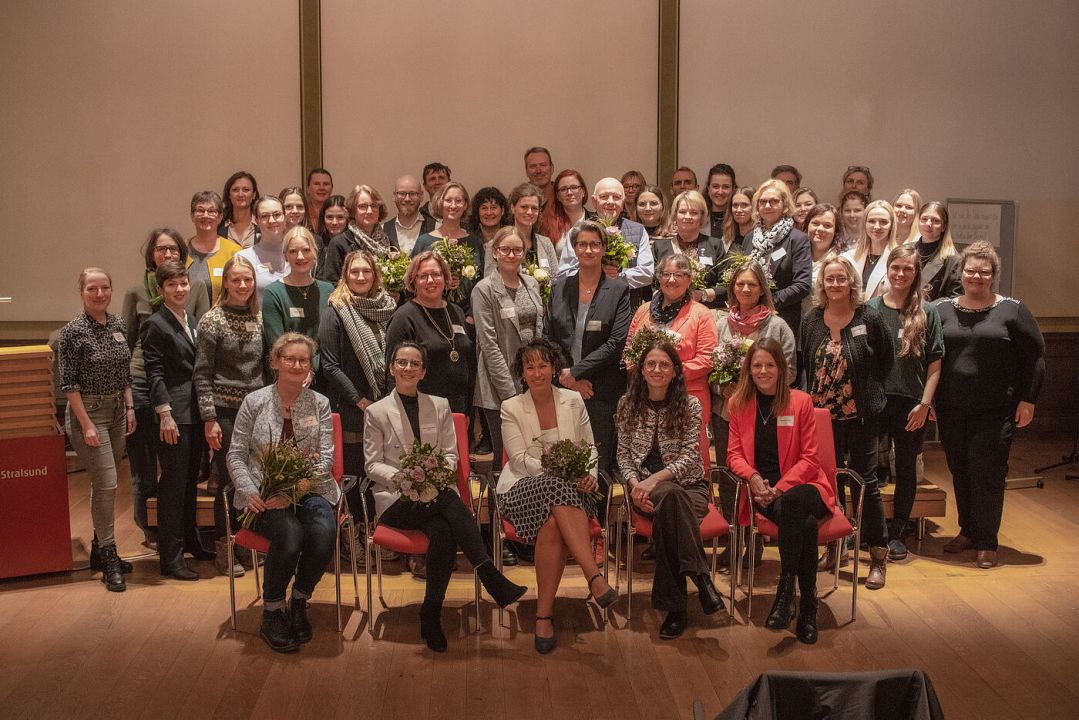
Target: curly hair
(676, 417)
(540, 348)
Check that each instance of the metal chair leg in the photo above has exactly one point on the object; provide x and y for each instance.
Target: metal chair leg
(258, 582)
(352, 554)
(367, 574)
(378, 564)
(232, 582)
(337, 575)
(751, 549)
(629, 570)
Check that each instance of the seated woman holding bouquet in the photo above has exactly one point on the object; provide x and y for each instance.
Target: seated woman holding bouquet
(773, 445)
(392, 427)
(659, 425)
(295, 513)
(548, 504)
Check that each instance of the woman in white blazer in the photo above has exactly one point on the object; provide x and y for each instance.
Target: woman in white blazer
(551, 512)
(878, 239)
(391, 426)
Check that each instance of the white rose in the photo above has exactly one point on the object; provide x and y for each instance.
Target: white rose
(468, 271)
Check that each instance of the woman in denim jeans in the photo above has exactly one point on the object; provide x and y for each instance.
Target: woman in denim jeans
(94, 374)
(301, 536)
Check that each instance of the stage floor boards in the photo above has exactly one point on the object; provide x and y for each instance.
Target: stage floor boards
(997, 644)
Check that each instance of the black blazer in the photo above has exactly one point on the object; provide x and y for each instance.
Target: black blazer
(343, 378)
(707, 247)
(390, 227)
(791, 266)
(169, 355)
(602, 345)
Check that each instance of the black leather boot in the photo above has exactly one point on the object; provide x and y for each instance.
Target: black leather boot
(498, 585)
(276, 630)
(431, 627)
(301, 625)
(97, 562)
(111, 574)
(711, 600)
(806, 628)
(783, 609)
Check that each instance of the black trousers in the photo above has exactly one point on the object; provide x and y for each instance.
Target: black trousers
(977, 444)
(601, 418)
(893, 421)
(226, 417)
(448, 526)
(176, 492)
(676, 534)
(858, 439)
(796, 513)
(494, 434)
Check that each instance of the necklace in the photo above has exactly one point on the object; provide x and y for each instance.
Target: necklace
(454, 355)
(303, 290)
(764, 418)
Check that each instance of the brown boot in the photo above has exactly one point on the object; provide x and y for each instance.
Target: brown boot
(826, 562)
(878, 568)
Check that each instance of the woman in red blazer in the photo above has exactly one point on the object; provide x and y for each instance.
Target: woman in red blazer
(773, 445)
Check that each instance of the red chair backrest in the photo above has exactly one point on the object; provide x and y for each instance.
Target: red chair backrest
(822, 419)
(464, 469)
(338, 469)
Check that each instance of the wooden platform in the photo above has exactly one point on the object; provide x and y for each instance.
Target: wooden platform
(997, 644)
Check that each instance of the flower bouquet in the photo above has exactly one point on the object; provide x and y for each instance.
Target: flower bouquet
(698, 274)
(619, 252)
(287, 470)
(737, 260)
(568, 459)
(645, 336)
(543, 277)
(727, 361)
(393, 268)
(462, 263)
(424, 473)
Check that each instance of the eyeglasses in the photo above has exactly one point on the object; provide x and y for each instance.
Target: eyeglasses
(590, 246)
(567, 189)
(511, 251)
(858, 168)
(411, 194)
(367, 207)
(405, 363)
(658, 365)
(839, 280)
(207, 212)
(672, 275)
(770, 202)
(972, 273)
(272, 216)
(167, 250)
(292, 361)
(430, 276)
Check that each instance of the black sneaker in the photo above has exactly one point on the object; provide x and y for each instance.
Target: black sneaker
(301, 626)
(277, 631)
(896, 549)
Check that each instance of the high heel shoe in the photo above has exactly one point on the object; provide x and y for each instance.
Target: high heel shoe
(545, 645)
(498, 585)
(606, 599)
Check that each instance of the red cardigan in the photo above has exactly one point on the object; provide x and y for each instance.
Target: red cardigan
(797, 449)
(697, 329)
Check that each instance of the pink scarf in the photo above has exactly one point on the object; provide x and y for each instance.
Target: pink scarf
(746, 325)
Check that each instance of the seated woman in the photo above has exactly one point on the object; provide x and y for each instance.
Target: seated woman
(302, 537)
(787, 486)
(551, 512)
(659, 426)
(391, 426)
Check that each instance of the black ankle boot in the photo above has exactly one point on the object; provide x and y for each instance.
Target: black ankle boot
(498, 585)
(301, 625)
(111, 574)
(806, 628)
(711, 600)
(431, 627)
(97, 562)
(783, 609)
(276, 630)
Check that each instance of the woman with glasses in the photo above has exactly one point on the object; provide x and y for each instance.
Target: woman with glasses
(689, 325)
(364, 232)
(207, 251)
(267, 255)
(992, 373)
(508, 310)
(937, 253)
(781, 249)
(392, 425)
(524, 204)
(140, 302)
(848, 352)
(302, 536)
(567, 210)
(632, 183)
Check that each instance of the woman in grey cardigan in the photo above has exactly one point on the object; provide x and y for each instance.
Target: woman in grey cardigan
(302, 536)
(508, 311)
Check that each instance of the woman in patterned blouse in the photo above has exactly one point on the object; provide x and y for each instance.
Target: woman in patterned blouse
(95, 376)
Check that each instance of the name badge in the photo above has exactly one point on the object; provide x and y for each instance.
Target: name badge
(779, 253)
(251, 326)
(706, 261)
(785, 421)
(857, 330)
(593, 326)
(544, 263)
(899, 334)
(295, 312)
(119, 337)
(458, 330)
(218, 272)
(306, 423)
(506, 313)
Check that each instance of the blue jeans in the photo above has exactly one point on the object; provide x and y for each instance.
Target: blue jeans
(302, 541)
(142, 450)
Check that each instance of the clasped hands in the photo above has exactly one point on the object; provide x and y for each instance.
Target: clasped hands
(641, 494)
(255, 503)
(763, 494)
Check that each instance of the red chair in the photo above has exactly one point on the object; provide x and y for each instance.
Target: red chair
(256, 543)
(713, 527)
(834, 528)
(414, 542)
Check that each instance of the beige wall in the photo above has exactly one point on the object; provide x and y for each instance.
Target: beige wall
(113, 114)
(474, 84)
(963, 99)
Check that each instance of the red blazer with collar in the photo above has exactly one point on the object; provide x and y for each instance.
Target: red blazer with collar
(797, 449)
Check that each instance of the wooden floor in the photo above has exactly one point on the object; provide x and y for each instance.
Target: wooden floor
(997, 644)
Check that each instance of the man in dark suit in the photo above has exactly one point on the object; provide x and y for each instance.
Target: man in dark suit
(410, 223)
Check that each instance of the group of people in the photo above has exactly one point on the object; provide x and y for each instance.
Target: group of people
(756, 305)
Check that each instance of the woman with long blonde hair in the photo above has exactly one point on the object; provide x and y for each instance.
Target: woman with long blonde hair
(876, 241)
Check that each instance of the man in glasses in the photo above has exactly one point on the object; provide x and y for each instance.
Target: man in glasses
(409, 223)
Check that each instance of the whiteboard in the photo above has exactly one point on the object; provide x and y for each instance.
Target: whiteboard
(991, 220)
